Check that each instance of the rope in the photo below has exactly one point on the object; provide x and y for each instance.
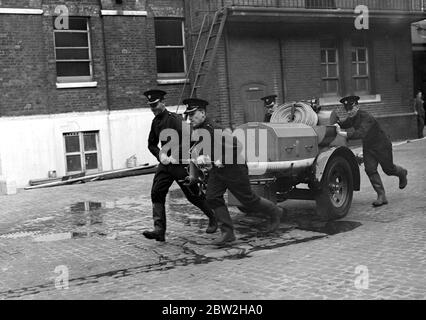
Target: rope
(295, 112)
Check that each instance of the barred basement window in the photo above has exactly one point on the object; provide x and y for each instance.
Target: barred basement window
(72, 51)
(320, 4)
(360, 70)
(82, 151)
(329, 69)
(170, 47)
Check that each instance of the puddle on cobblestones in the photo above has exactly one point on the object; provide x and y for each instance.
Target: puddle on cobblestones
(67, 235)
(331, 228)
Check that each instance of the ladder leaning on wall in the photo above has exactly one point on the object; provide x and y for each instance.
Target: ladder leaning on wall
(207, 58)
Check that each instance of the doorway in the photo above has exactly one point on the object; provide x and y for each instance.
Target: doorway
(254, 110)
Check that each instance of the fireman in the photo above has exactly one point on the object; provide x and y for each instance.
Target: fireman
(377, 147)
(271, 105)
(232, 175)
(169, 169)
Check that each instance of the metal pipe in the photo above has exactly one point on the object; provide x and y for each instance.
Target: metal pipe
(257, 168)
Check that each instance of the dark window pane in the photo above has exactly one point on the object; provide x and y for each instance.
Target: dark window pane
(354, 59)
(324, 71)
(73, 163)
(89, 141)
(168, 32)
(64, 54)
(91, 161)
(323, 56)
(320, 4)
(332, 70)
(361, 84)
(330, 86)
(170, 61)
(361, 55)
(362, 69)
(331, 56)
(354, 69)
(69, 69)
(71, 39)
(72, 143)
(74, 23)
(78, 23)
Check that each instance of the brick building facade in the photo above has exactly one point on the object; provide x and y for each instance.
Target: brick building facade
(73, 100)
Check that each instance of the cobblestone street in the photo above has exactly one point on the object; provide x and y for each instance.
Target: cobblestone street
(93, 233)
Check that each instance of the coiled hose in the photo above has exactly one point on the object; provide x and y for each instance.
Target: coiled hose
(295, 112)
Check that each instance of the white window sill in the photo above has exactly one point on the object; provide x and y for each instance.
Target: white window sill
(124, 13)
(68, 85)
(333, 101)
(20, 11)
(172, 81)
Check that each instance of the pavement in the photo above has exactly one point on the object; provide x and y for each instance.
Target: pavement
(84, 241)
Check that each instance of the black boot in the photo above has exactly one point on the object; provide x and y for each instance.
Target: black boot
(377, 184)
(212, 227)
(274, 212)
(159, 216)
(226, 227)
(402, 175)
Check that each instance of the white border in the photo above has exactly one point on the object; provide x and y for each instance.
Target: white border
(123, 13)
(20, 11)
(68, 85)
(172, 81)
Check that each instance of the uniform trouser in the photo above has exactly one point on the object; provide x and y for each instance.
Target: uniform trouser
(163, 179)
(420, 126)
(235, 178)
(375, 155)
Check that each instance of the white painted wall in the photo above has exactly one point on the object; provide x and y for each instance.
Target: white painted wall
(33, 145)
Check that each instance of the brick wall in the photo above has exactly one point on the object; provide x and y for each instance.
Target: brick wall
(23, 66)
(29, 69)
(254, 56)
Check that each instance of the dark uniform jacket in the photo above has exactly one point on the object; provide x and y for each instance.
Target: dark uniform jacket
(366, 128)
(419, 107)
(164, 120)
(228, 147)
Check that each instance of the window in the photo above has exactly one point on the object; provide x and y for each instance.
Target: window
(320, 4)
(81, 151)
(170, 47)
(72, 51)
(360, 70)
(329, 68)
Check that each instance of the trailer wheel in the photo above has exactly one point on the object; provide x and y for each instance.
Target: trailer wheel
(336, 190)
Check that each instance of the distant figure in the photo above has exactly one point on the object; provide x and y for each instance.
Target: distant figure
(419, 109)
(377, 148)
(271, 105)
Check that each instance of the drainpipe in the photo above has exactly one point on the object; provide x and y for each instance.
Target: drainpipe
(107, 93)
(283, 89)
(228, 88)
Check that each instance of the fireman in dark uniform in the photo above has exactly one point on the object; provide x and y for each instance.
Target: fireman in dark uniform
(377, 148)
(227, 173)
(271, 105)
(169, 169)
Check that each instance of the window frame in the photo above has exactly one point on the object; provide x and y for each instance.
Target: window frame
(82, 153)
(73, 79)
(328, 78)
(173, 75)
(358, 76)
